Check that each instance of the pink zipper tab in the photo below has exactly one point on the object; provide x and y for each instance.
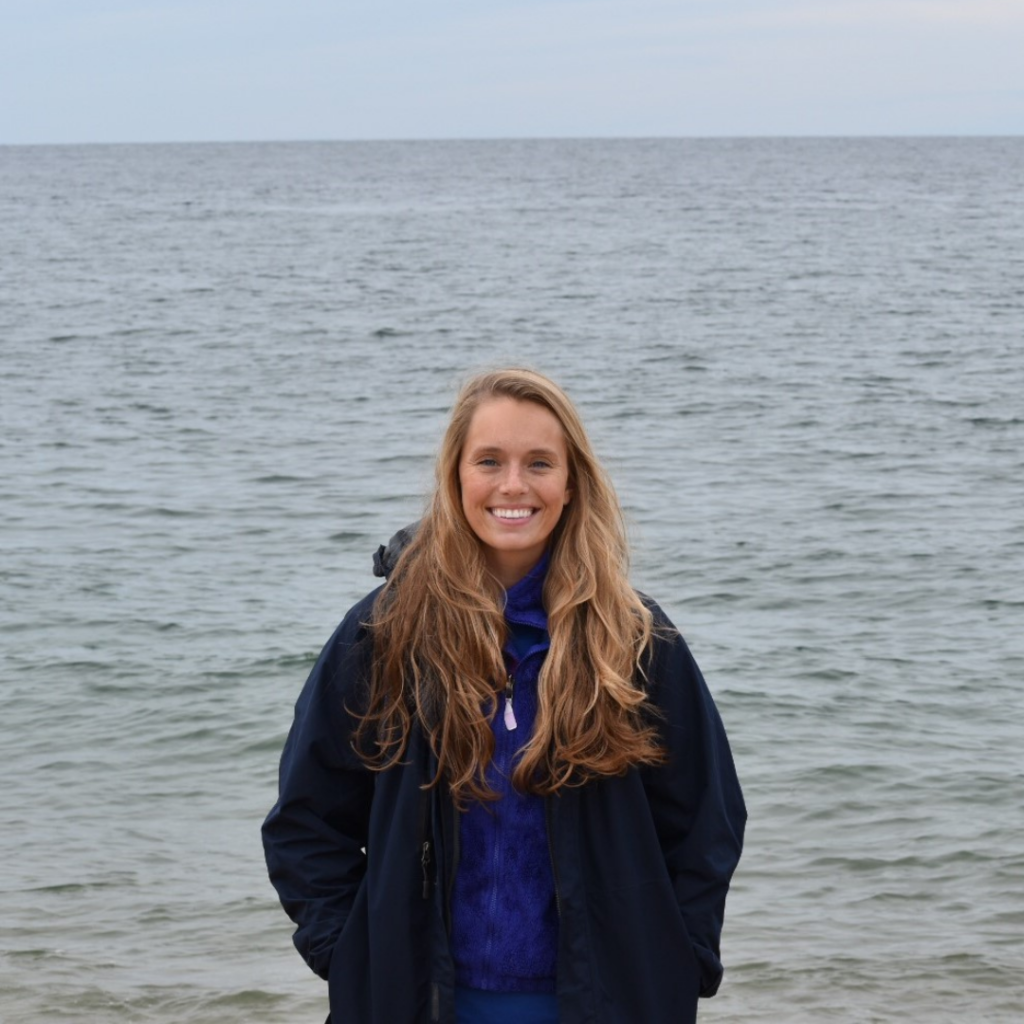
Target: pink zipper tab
(510, 715)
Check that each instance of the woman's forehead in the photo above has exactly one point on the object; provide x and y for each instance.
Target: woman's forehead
(502, 422)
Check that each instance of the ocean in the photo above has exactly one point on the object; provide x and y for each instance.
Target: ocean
(225, 370)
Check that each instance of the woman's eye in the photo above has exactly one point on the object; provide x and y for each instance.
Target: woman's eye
(541, 464)
(488, 462)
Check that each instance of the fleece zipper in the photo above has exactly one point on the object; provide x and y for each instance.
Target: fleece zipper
(549, 824)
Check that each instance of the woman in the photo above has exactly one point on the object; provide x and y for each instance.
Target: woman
(507, 794)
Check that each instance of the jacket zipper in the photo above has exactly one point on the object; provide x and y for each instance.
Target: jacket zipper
(425, 864)
(426, 848)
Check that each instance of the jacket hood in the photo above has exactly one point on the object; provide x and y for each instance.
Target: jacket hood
(387, 555)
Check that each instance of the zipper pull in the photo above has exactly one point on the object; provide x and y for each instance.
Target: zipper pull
(510, 715)
(425, 863)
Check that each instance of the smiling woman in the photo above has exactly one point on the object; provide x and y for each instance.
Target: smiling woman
(566, 860)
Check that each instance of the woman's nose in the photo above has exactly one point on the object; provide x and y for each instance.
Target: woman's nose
(512, 481)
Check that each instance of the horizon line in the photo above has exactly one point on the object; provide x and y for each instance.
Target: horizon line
(809, 136)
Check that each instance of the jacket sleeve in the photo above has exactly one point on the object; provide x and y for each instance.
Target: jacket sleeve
(315, 836)
(695, 798)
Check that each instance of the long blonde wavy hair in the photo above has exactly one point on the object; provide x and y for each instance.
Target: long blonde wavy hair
(438, 628)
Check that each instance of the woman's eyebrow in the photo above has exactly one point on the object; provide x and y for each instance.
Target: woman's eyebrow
(491, 449)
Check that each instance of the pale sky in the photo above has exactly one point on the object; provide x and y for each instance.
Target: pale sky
(196, 70)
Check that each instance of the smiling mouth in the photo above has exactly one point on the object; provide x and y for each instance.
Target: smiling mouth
(512, 514)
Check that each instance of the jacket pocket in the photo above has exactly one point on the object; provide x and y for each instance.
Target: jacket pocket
(348, 979)
(647, 966)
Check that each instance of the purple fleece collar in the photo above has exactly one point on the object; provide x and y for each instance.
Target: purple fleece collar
(524, 604)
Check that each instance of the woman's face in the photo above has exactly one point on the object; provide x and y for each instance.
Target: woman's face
(514, 472)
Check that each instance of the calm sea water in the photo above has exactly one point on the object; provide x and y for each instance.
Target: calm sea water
(224, 372)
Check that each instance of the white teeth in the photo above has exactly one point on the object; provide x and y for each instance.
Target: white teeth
(512, 513)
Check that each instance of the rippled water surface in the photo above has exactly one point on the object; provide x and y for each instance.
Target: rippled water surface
(224, 372)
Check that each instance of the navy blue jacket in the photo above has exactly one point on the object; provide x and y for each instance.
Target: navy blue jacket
(363, 862)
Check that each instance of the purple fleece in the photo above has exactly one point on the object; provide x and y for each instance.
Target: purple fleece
(504, 922)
